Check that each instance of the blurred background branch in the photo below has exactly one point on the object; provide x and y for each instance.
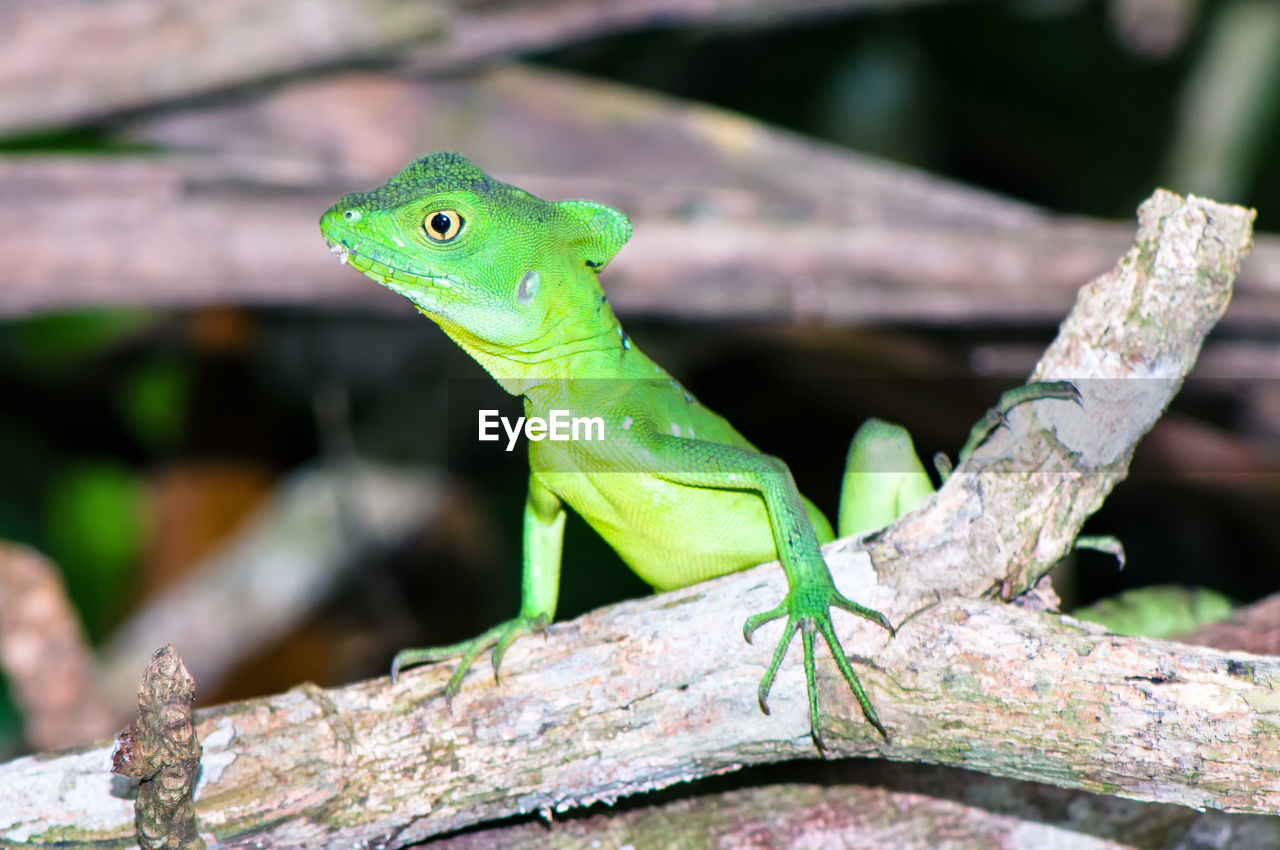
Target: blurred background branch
(131, 54)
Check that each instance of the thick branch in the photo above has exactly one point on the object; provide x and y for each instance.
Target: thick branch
(661, 690)
(1130, 341)
(905, 806)
(865, 241)
(72, 60)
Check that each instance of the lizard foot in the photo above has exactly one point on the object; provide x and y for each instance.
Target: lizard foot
(499, 637)
(808, 611)
(997, 416)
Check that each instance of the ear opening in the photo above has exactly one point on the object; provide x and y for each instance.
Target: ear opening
(599, 231)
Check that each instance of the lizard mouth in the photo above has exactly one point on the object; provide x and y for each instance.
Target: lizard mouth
(340, 252)
(421, 288)
(374, 264)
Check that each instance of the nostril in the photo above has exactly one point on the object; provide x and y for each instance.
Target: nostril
(351, 215)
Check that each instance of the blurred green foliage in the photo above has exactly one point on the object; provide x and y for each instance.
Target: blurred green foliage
(153, 401)
(1157, 612)
(10, 724)
(95, 516)
(44, 345)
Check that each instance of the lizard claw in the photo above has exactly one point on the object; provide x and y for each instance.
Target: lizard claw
(810, 614)
(499, 637)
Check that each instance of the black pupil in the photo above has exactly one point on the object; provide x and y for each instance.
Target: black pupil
(440, 224)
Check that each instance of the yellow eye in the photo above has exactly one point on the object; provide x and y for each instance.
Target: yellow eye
(442, 225)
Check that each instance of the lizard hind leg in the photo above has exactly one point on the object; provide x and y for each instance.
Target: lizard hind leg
(883, 478)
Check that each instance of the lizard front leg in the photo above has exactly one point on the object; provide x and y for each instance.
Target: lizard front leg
(544, 517)
(811, 591)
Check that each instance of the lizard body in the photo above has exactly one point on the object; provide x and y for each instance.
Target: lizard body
(673, 487)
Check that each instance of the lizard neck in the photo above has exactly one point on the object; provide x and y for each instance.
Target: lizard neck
(570, 351)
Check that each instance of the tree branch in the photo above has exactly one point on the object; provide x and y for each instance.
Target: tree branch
(661, 690)
(72, 61)
(864, 242)
(44, 655)
(863, 804)
(272, 572)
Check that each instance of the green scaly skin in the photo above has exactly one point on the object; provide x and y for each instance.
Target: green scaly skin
(511, 278)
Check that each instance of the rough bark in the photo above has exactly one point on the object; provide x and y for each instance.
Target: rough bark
(161, 750)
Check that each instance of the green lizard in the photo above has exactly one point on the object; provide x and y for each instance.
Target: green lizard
(511, 278)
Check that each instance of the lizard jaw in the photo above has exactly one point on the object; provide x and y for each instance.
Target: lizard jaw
(386, 275)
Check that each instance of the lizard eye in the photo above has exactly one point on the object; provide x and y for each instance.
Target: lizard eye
(442, 225)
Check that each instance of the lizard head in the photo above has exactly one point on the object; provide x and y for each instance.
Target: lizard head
(496, 267)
